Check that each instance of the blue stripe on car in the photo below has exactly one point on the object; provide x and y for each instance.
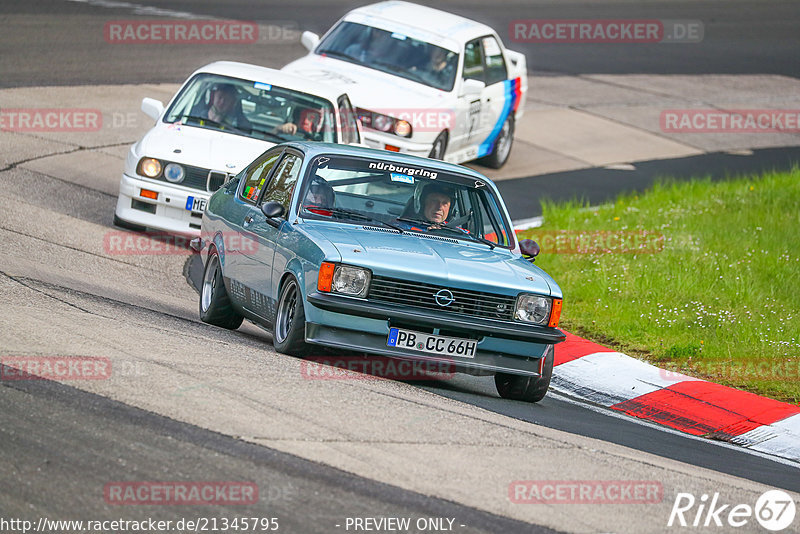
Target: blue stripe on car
(509, 97)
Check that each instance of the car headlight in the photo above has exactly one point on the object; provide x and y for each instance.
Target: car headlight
(149, 167)
(532, 309)
(402, 128)
(381, 122)
(343, 279)
(174, 173)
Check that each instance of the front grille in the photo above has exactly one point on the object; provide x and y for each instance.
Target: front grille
(200, 178)
(419, 295)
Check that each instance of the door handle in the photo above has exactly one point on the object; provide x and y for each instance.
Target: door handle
(247, 220)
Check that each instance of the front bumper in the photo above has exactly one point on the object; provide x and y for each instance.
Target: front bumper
(170, 210)
(359, 325)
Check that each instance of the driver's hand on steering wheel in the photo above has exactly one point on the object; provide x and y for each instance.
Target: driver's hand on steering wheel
(288, 128)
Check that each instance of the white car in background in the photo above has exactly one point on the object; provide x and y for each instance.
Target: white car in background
(424, 81)
(173, 170)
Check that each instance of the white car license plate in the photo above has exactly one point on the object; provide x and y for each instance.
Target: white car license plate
(196, 204)
(433, 344)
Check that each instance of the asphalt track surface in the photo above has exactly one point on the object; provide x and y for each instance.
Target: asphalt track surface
(59, 442)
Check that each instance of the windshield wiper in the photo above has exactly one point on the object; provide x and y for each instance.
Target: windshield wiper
(414, 221)
(357, 215)
(210, 122)
(342, 55)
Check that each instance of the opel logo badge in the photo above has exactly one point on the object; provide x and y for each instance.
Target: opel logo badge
(444, 297)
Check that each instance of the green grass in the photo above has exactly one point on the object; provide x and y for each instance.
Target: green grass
(720, 301)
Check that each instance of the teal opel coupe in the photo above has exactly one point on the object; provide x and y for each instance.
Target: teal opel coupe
(383, 255)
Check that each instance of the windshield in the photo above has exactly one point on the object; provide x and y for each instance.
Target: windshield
(406, 198)
(253, 109)
(393, 53)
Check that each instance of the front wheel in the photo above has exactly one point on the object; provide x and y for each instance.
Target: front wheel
(526, 388)
(289, 332)
(502, 145)
(215, 305)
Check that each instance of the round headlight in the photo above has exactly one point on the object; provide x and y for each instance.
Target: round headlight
(402, 128)
(382, 122)
(532, 309)
(150, 167)
(174, 173)
(349, 280)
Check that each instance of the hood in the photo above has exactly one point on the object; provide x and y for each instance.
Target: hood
(199, 147)
(367, 87)
(461, 264)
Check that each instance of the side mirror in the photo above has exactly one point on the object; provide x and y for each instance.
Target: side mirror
(530, 249)
(152, 108)
(310, 40)
(472, 87)
(272, 209)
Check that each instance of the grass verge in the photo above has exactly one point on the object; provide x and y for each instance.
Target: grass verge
(699, 277)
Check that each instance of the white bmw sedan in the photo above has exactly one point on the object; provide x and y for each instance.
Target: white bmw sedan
(224, 116)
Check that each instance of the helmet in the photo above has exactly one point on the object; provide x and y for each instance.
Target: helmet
(320, 193)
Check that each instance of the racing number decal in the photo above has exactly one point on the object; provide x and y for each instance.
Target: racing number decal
(472, 116)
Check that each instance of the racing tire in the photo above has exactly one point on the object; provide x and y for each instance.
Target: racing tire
(289, 330)
(439, 147)
(502, 146)
(128, 226)
(215, 304)
(526, 388)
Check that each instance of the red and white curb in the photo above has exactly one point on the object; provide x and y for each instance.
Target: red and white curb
(599, 375)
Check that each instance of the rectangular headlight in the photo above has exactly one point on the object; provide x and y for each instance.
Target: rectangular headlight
(351, 281)
(532, 309)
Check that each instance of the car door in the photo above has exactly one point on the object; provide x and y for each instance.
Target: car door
(496, 100)
(260, 261)
(237, 240)
(468, 107)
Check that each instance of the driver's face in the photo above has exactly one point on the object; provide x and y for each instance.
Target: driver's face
(317, 196)
(223, 100)
(437, 207)
(310, 121)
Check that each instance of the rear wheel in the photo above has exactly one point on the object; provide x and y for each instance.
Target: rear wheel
(502, 145)
(526, 388)
(289, 332)
(215, 305)
(439, 147)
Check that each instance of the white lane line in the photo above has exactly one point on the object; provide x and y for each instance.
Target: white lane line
(564, 396)
(139, 9)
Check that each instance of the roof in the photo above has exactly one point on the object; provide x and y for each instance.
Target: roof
(312, 149)
(399, 16)
(269, 76)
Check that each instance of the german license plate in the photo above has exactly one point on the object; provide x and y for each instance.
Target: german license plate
(433, 344)
(196, 204)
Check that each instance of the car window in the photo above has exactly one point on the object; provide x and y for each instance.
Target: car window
(495, 63)
(392, 53)
(283, 180)
(473, 61)
(391, 194)
(256, 177)
(349, 125)
(252, 109)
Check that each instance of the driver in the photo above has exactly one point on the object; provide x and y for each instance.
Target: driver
(436, 203)
(320, 194)
(307, 124)
(224, 107)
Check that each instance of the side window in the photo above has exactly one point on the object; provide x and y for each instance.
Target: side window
(495, 63)
(473, 61)
(283, 180)
(348, 117)
(256, 177)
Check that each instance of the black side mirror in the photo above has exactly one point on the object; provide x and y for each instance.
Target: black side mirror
(272, 209)
(530, 249)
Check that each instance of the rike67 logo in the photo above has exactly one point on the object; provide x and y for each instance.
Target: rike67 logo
(774, 510)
